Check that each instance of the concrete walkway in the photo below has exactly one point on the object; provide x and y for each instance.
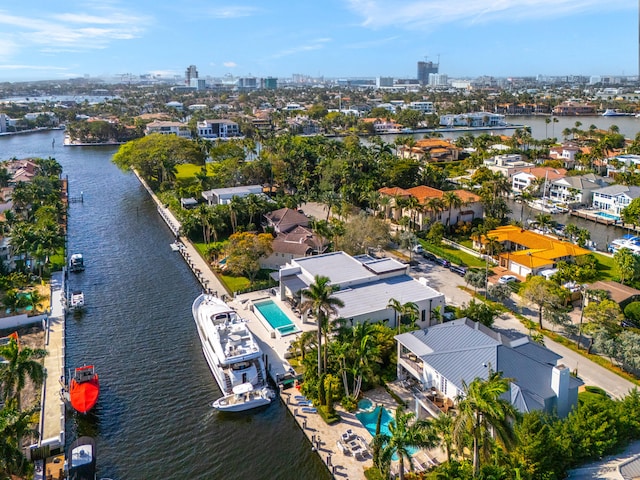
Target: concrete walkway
(52, 414)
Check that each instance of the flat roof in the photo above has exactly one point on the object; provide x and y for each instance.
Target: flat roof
(338, 266)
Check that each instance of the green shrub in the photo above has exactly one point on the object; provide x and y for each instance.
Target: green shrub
(632, 311)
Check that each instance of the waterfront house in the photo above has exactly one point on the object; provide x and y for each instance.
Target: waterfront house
(223, 196)
(535, 179)
(577, 190)
(616, 164)
(571, 108)
(615, 198)
(442, 358)
(619, 293)
(528, 253)
(382, 125)
(365, 285)
(168, 128)
(474, 120)
(218, 128)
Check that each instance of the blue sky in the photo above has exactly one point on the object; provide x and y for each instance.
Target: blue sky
(55, 39)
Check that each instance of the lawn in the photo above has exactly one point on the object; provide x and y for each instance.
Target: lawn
(454, 255)
(605, 267)
(185, 171)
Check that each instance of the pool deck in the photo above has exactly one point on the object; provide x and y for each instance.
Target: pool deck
(593, 216)
(311, 424)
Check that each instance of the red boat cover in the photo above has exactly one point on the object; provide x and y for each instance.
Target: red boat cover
(84, 395)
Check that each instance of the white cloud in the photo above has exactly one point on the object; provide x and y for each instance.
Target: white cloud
(232, 11)
(73, 31)
(230, 64)
(416, 14)
(316, 44)
(29, 67)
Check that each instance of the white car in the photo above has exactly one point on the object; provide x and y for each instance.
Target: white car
(507, 279)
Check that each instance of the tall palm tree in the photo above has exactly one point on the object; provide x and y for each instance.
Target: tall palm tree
(451, 200)
(481, 413)
(403, 311)
(319, 299)
(14, 425)
(405, 433)
(443, 425)
(21, 362)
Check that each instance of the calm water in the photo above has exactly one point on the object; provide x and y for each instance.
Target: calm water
(153, 419)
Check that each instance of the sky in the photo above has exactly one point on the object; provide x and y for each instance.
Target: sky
(59, 39)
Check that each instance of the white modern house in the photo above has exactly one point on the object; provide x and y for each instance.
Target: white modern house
(442, 358)
(218, 128)
(577, 190)
(365, 285)
(168, 128)
(615, 198)
(507, 164)
(475, 119)
(526, 179)
(223, 196)
(423, 107)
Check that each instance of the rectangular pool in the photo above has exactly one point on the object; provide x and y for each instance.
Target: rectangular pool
(275, 317)
(608, 216)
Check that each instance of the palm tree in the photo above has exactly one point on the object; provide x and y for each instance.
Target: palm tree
(403, 311)
(451, 200)
(14, 425)
(405, 433)
(481, 413)
(20, 364)
(319, 299)
(443, 425)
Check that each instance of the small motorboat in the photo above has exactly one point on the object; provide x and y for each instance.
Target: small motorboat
(84, 389)
(76, 301)
(244, 397)
(76, 263)
(175, 246)
(81, 459)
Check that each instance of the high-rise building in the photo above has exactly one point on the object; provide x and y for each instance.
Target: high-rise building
(190, 74)
(270, 83)
(424, 69)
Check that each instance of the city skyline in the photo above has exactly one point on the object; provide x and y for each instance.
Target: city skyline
(335, 38)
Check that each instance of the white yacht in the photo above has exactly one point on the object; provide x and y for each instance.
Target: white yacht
(244, 397)
(76, 263)
(233, 355)
(629, 241)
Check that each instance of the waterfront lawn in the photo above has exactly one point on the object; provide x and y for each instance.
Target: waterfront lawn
(605, 267)
(186, 171)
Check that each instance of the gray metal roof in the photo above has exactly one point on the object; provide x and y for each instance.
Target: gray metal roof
(630, 470)
(630, 191)
(374, 297)
(338, 266)
(533, 377)
(380, 265)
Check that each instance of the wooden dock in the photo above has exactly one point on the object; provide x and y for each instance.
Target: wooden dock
(590, 215)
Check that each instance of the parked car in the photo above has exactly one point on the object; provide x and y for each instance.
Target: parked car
(429, 256)
(458, 269)
(418, 249)
(443, 262)
(507, 279)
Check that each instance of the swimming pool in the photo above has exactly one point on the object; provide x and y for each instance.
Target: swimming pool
(365, 404)
(275, 317)
(608, 216)
(369, 420)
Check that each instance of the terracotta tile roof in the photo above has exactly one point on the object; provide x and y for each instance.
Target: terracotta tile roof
(542, 172)
(424, 192)
(394, 192)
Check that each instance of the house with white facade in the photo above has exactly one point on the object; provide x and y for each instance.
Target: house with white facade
(576, 190)
(566, 153)
(507, 164)
(364, 284)
(474, 119)
(621, 163)
(423, 107)
(165, 127)
(534, 179)
(223, 196)
(615, 198)
(442, 358)
(218, 128)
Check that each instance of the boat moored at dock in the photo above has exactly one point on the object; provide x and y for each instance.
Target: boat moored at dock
(81, 459)
(232, 353)
(84, 389)
(76, 263)
(244, 397)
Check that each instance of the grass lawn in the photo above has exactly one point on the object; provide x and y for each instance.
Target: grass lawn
(234, 284)
(188, 170)
(454, 255)
(605, 267)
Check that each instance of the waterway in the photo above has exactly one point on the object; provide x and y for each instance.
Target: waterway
(153, 419)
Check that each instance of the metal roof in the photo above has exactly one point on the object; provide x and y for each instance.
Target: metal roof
(374, 296)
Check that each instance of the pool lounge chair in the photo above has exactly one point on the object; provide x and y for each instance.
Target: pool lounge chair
(344, 450)
(309, 410)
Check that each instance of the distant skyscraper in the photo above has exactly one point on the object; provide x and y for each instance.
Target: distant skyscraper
(424, 69)
(190, 74)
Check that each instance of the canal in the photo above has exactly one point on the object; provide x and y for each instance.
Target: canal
(153, 419)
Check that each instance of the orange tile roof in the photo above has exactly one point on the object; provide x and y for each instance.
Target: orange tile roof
(394, 192)
(542, 172)
(539, 251)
